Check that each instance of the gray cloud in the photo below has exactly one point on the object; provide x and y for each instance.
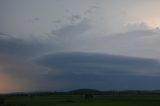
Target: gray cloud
(69, 70)
(3, 34)
(73, 19)
(96, 27)
(59, 39)
(33, 20)
(137, 43)
(36, 19)
(26, 47)
(15, 46)
(72, 30)
(99, 63)
(137, 26)
(93, 70)
(69, 36)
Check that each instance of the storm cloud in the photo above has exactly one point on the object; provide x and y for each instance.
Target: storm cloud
(67, 44)
(100, 69)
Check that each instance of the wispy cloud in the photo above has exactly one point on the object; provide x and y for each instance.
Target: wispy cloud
(72, 29)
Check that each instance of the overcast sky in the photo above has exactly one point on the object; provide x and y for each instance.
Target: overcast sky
(70, 44)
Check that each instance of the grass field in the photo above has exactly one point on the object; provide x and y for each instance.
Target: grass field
(59, 100)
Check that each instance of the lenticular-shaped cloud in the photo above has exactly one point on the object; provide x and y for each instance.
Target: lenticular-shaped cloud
(99, 64)
(97, 69)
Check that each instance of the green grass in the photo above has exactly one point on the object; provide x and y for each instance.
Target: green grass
(57, 100)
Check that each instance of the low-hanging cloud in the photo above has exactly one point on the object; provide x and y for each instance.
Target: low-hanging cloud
(99, 63)
(82, 69)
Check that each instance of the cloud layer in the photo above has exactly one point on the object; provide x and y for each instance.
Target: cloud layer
(99, 70)
(56, 63)
(49, 45)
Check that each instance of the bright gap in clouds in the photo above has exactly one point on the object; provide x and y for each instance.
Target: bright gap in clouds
(8, 84)
(153, 22)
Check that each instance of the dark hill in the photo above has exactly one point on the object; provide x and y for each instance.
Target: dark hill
(85, 91)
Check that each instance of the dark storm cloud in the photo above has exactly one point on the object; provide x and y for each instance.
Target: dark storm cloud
(100, 70)
(15, 46)
(111, 82)
(98, 63)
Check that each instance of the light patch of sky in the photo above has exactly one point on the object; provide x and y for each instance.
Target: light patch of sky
(8, 84)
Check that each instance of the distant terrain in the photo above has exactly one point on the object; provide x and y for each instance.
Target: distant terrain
(79, 98)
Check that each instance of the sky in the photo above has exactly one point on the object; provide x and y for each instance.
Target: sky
(60, 45)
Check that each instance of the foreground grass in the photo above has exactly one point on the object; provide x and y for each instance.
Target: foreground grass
(70, 100)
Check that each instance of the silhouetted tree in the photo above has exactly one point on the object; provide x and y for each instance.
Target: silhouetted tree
(88, 96)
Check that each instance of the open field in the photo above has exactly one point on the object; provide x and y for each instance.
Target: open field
(74, 100)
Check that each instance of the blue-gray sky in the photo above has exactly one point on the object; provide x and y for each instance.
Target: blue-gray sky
(69, 44)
